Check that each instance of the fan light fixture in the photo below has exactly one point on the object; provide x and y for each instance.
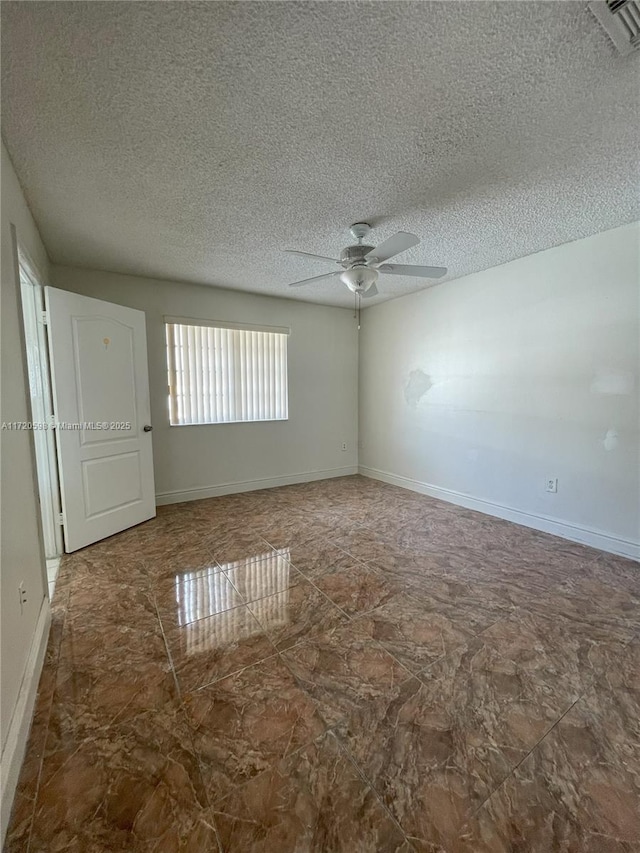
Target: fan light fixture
(362, 263)
(359, 279)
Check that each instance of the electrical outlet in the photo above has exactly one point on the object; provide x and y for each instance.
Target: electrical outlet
(344, 445)
(552, 484)
(22, 596)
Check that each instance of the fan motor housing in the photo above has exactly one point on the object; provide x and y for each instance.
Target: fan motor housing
(354, 255)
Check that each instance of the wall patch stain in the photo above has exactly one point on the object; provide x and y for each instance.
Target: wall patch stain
(417, 386)
(610, 441)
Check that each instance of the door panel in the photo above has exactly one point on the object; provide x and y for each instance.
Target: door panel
(105, 369)
(111, 483)
(98, 354)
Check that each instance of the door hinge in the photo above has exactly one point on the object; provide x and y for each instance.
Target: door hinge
(44, 318)
(60, 518)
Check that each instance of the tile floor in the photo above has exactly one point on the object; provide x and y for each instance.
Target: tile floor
(336, 666)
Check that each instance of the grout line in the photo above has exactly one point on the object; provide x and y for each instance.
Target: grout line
(533, 748)
(167, 649)
(360, 772)
(75, 751)
(304, 578)
(276, 762)
(233, 672)
(67, 596)
(214, 826)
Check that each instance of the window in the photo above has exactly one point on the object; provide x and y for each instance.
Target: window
(220, 373)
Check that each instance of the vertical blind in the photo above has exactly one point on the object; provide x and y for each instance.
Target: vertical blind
(221, 375)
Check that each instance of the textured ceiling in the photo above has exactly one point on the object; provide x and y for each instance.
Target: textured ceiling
(194, 141)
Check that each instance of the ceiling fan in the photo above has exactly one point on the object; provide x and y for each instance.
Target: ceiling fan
(361, 264)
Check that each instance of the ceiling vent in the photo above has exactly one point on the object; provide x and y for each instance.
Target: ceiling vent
(621, 20)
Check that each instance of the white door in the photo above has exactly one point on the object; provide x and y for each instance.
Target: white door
(98, 355)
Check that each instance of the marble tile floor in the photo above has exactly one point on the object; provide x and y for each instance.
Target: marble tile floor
(336, 666)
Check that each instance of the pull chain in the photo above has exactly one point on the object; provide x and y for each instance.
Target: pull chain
(356, 308)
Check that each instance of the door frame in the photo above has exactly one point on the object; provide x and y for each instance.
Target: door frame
(32, 285)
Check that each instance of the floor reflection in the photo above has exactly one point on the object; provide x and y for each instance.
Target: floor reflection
(219, 630)
(262, 575)
(208, 604)
(203, 593)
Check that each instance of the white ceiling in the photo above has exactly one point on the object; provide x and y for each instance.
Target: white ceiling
(195, 141)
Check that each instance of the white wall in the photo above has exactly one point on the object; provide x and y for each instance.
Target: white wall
(323, 375)
(488, 385)
(21, 554)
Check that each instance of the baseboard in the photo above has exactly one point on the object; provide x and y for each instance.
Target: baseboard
(179, 496)
(574, 532)
(18, 735)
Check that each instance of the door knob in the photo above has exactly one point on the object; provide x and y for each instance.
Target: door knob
(147, 427)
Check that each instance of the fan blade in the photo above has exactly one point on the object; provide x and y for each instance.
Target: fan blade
(309, 255)
(413, 269)
(315, 278)
(372, 291)
(393, 246)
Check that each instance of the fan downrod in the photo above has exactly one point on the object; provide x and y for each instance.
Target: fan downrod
(359, 230)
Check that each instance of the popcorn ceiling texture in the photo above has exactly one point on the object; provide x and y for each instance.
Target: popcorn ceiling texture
(195, 141)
